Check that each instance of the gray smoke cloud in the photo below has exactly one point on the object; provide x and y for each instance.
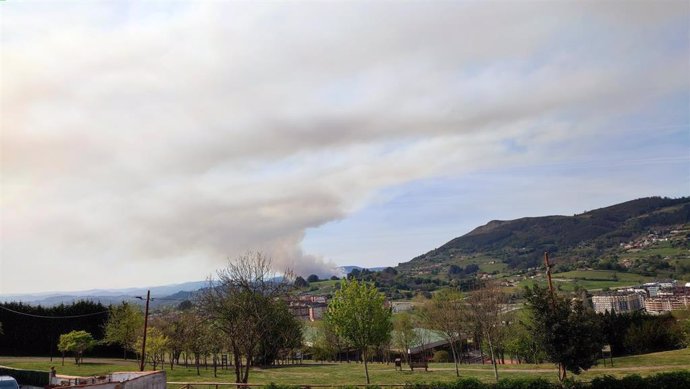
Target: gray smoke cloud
(150, 142)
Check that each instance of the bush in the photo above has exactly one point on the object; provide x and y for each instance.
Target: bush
(467, 383)
(670, 380)
(610, 382)
(441, 356)
(572, 383)
(462, 383)
(524, 383)
(273, 385)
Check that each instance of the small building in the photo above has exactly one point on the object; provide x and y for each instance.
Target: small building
(300, 311)
(426, 342)
(620, 302)
(401, 306)
(308, 311)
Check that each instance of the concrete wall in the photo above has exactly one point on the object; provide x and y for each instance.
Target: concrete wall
(155, 380)
(126, 380)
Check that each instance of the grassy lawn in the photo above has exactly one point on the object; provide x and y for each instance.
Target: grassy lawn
(353, 373)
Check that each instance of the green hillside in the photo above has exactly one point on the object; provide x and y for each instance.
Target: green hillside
(646, 236)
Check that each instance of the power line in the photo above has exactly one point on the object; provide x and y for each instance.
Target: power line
(53, 317)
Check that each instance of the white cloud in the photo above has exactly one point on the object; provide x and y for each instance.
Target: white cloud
(151, 142)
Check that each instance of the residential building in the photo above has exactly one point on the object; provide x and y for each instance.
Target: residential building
(669, 300)
(308, 311)
(618, 301)
(667, 303)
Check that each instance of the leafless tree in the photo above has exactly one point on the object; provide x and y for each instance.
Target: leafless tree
(485, 306)
(241, 302)
(445, 313)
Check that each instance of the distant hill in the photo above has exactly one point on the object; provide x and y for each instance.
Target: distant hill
(348, 269)
(165, 294)
(521, 243)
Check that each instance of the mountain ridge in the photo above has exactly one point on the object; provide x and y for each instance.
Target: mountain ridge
(109, 295)
(521, 242)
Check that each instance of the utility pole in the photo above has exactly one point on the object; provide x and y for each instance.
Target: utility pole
(561, 369)
(146, 323)
(52, 339)
(548, 272)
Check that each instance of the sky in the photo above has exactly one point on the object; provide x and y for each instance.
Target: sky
(147, 143)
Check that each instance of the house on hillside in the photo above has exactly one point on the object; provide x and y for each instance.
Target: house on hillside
(308, 310)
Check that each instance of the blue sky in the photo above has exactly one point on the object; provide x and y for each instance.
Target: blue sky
(647, 153)
(155, 141)
(419, 216)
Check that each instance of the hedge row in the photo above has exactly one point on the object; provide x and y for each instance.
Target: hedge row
(671, 380)
(27, 377)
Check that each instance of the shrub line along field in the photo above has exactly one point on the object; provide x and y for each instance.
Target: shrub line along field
(353, 373)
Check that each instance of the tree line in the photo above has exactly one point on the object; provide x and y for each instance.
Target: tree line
(244, 313)
(30, 330)
(548, 328)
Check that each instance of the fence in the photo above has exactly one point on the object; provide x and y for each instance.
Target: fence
(221, 385)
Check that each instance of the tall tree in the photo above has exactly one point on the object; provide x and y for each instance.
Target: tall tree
(124, 325)
(520, 343)
(156, 346)
(301, 282)
(570, 335)
(485, 306)
(404, 336)
(243, 303)
(76, 342)
(283, 335)
(358, 313)
(328, 345)
(197, 336)
(173, 325)
(445, 313)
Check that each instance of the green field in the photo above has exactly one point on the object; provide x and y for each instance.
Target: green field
(321, 287)
(602, 275)
(664, 249)
(591, 279)
(353, 373)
